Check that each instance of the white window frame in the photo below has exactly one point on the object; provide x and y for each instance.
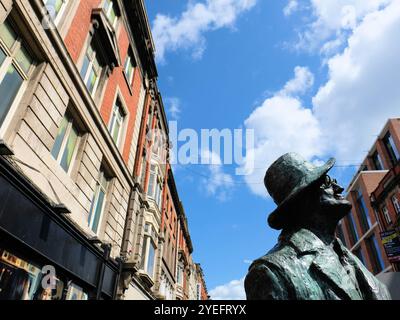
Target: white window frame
(57, 18)
(149, 240)
(157, 190)
(99, 187)
(9, 60)
(91, 67)
(386, 214)
(71, 124)
(107, 13)
(117, 111)
(396, 204)
(180, 271)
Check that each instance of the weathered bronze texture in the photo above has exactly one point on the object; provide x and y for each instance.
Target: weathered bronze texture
(309, 262)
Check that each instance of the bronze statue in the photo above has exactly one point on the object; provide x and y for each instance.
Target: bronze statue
(309, 262)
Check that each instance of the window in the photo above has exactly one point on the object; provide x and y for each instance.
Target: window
(111, 12)
(55, 8)
(376, 159)
(98, 202)
(363, 213)
(155, 187)
(91, 70)
(352, 229)
(16, 65)
(375, 255)
(391, 148)
(149, 250)
(117, 119)
(129, 68)
(396, 204)
(66, 143)
(386, 215)
(180, 272)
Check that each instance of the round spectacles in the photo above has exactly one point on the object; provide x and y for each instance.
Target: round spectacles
(329, 182)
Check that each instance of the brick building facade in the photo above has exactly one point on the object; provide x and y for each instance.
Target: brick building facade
(374, 194)
(85, 186)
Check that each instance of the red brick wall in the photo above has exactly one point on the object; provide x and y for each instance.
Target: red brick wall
(80, 26)
(75, 41)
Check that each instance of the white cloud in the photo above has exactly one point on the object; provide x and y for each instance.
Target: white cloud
(332, 19)
(187, 31)
(347, 112)
(302, 81)
(233, 290)
(291, 7)
(282, 124)
(173, 105)
(362, 89)
(217, 183)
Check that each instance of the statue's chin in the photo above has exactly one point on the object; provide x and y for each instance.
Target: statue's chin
(339, 209)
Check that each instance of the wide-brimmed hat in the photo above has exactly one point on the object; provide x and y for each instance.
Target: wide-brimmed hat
(286, 179)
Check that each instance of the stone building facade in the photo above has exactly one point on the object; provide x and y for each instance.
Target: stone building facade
(84, 183)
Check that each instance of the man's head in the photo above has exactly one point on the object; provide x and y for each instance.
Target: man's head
(321, 204)
(302, 190)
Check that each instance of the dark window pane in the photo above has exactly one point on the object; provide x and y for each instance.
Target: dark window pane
(375, 255)
(8, 90)
(353, 230)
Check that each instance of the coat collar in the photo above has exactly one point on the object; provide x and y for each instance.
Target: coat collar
(325, 262)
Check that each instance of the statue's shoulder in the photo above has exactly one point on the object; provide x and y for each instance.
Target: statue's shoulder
(278, 256)
(267, 278)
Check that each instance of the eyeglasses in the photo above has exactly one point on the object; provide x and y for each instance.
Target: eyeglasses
(329, 182)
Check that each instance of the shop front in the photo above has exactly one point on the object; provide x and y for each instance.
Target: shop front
(43, 256)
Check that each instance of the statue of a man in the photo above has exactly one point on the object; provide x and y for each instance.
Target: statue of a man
(309, 262)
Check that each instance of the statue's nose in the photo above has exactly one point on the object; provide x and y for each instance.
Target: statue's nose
(337, 188)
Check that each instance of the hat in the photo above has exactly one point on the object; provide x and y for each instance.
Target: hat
(286, 179)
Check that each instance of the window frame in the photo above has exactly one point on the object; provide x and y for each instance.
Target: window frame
(94, 204)
(376, 159)
(68, 130)
(107, 12)
(117, 106)
(96, 56)
(56, 20)
(391, 148)
(386, 214)
(396, 204)
(149, 239)
(10, 60)
(180, 270)
(156, 183)
(129, 77)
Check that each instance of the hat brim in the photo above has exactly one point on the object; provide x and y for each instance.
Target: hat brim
(277, 219)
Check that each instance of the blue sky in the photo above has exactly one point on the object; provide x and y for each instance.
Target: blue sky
(318, 77)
